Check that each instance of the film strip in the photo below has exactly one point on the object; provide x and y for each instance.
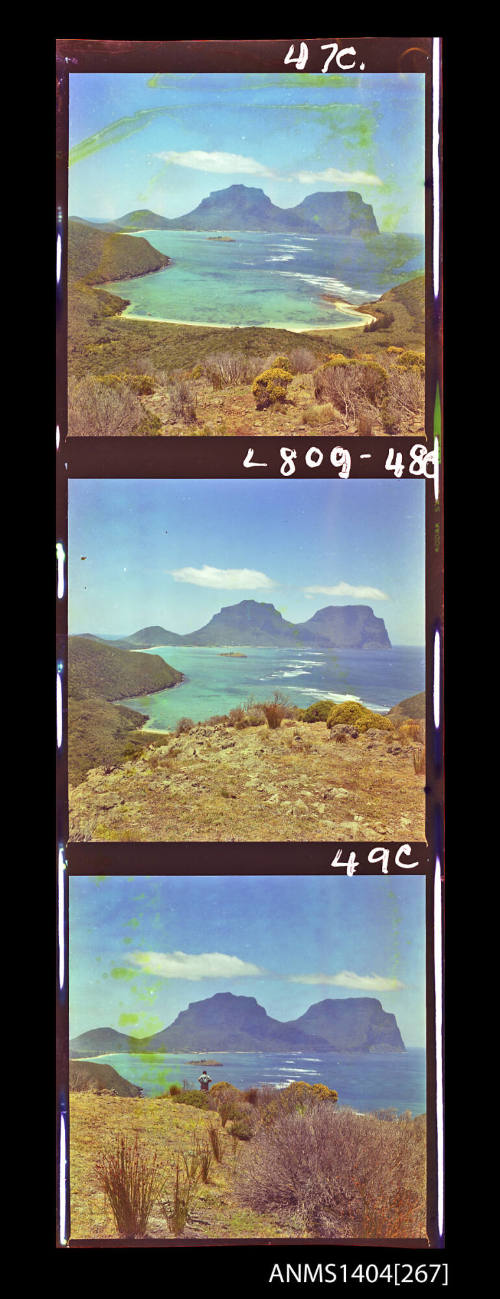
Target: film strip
(250, 803)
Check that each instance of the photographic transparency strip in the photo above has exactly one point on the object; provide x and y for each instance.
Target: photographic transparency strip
(249, 673)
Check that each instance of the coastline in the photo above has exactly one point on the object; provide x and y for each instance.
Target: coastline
(346, 308)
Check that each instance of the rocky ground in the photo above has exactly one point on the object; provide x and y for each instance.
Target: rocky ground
(296, 783)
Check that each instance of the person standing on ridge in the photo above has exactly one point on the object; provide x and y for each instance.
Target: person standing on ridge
(204, 1081)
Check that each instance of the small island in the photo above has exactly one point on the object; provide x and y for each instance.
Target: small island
(214, 1064)
(232, 654)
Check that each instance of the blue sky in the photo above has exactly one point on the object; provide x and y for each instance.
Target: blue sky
(142, 948)
(173, 552)
(165, 141)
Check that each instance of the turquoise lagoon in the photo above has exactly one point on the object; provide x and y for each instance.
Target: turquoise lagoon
(269, 280)
(214, 683)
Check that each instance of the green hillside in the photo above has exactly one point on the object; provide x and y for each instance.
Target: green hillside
(91, 1076)
(96, 256)
(412, 709)
(100, 732)
(97, 668)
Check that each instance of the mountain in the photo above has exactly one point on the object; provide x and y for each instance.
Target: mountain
(101, 1041)
(253, 622)
(226, 1022)
(148, 637)
(346, 627)
(143, 219)
(342, 213)
(243, 207)
(352, 1024)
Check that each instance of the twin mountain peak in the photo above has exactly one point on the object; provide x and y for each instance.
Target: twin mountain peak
(252, 622)
(226, 1022)
(243, 207)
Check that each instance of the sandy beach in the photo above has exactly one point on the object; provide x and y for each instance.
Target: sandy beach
(345, 308)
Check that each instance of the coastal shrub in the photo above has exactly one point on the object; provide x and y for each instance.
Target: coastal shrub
(411, 731)
(198, 1099)
(283, 701)
(225, 368)
(174, 1089)
(206, 1161)
(408, 360)
(237, 717)
(184, 725)
(419, 761)
(403, 406)
(298, 1097)
(222, 1088)
(176, 1211)
(339, 1173)
(243, 1128)
(131, 1181)
(150, 425)
(383, 320)
(251, 1095)
(351, 713)
(97, 410)
(365, 423)
(183, 402)
(274, 715)
(216, 1142)
(224, 1098)
(142, 384)
(338, 358)
(319, 712)
(256, 715)
(354, 387)
(302, 360)
(316, 416)
(270, 387)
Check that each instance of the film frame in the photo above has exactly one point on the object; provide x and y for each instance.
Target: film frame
(222, 458)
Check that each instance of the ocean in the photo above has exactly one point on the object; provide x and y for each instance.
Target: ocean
(363, 1082)
(270, 280)
(215, 684)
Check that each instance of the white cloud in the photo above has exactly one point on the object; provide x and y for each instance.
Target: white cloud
(183, 965)
(344, 588)
(222, 163)
(336, 177)
(224, 579)
(348, 979)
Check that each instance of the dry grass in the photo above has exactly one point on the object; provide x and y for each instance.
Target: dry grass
(224, 783)
(168, 1130)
